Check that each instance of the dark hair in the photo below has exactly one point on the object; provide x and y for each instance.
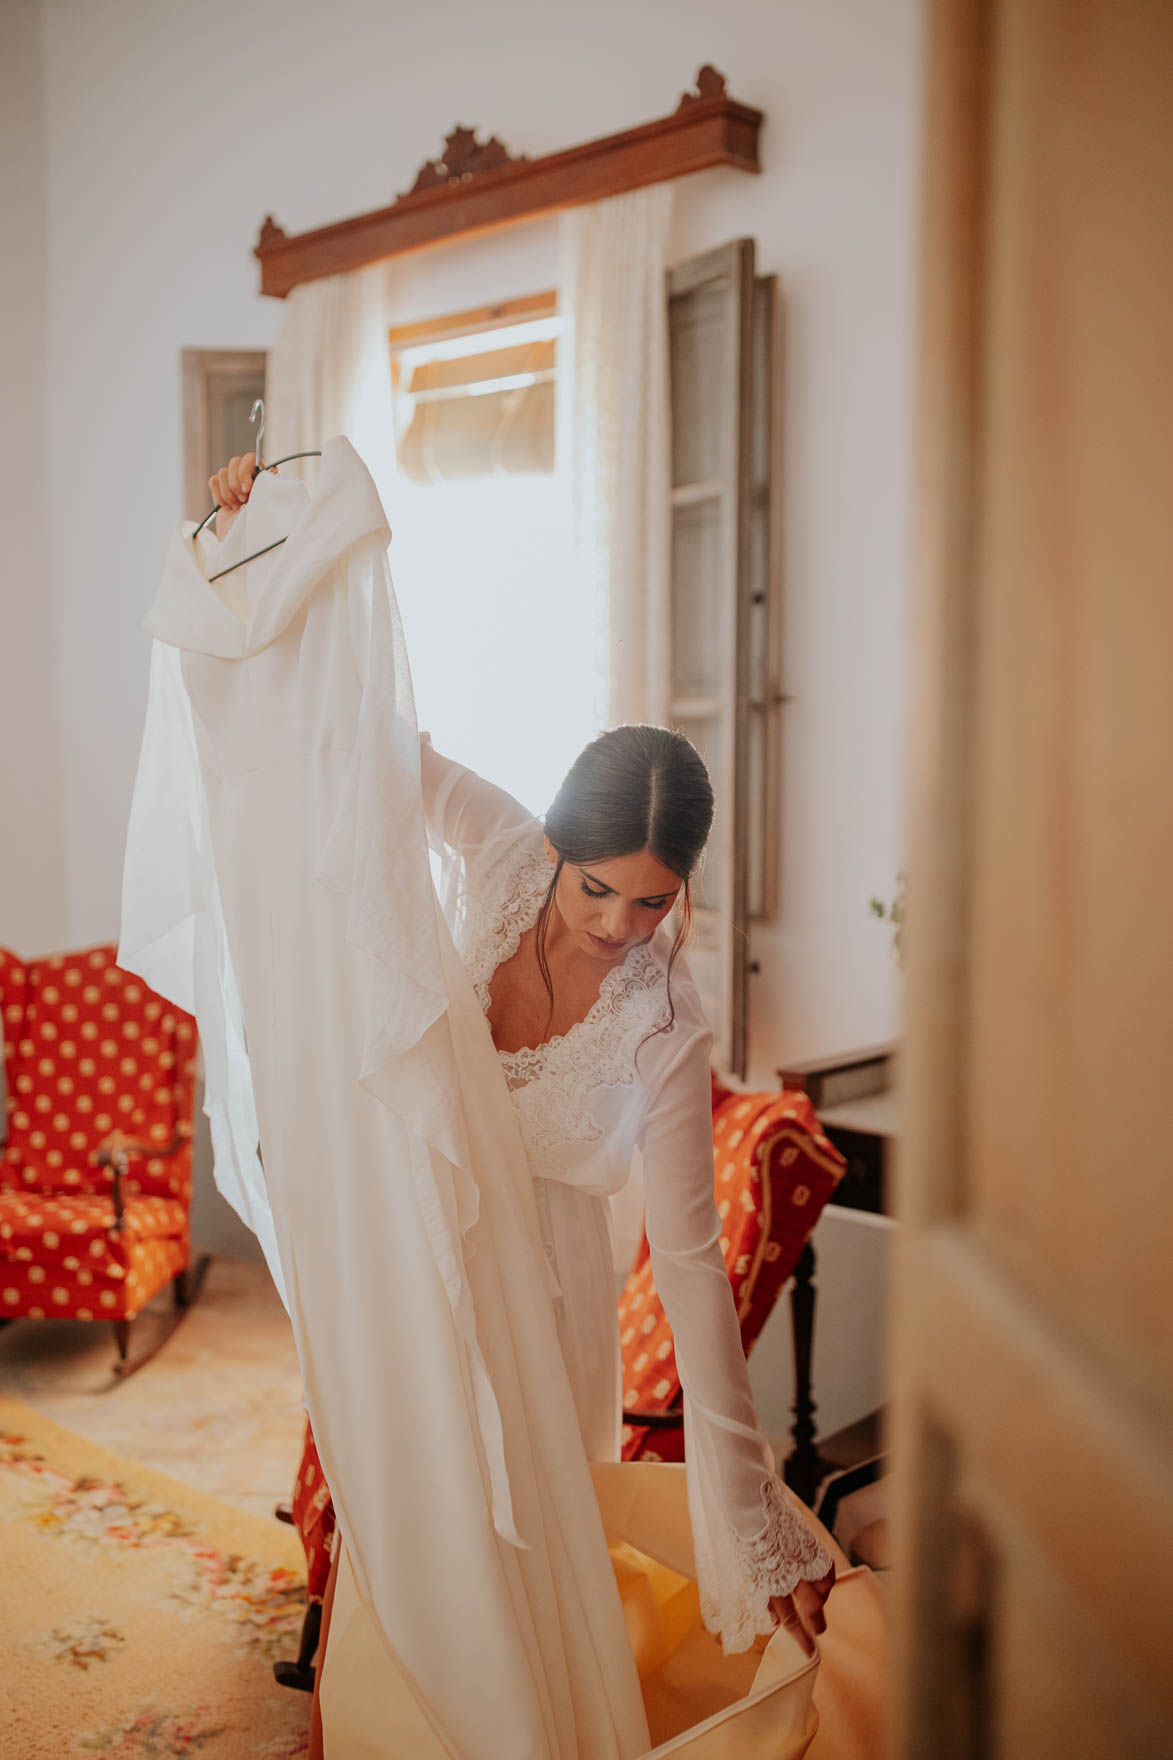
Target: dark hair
(634, 788)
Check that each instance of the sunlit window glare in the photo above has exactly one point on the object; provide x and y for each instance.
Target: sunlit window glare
(501, 646)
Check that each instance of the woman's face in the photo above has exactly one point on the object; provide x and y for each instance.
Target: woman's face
(608, 907)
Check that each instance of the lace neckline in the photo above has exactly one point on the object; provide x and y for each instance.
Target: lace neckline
(639, 969)
(596, 1051)
(518, 912)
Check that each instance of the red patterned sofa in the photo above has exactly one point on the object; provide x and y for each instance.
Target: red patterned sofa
(774, 1170)
(95, 1177)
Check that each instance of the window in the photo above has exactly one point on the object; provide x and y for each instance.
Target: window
(501, 650)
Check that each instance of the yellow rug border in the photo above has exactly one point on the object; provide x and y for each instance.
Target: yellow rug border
(228, 1528)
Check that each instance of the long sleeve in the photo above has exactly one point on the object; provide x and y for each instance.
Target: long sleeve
(749, 1538)
(464, 812)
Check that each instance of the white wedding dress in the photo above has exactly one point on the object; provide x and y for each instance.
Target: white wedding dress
(277, 884)
(587, 1101)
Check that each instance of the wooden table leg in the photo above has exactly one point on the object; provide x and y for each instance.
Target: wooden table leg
(804, 1466)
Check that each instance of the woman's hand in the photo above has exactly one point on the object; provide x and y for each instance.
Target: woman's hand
(231, 488)
(802, 1611)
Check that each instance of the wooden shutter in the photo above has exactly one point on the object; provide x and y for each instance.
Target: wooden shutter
(763, 744)
(711, 360)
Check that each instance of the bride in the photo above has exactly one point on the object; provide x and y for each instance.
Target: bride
(563, 927)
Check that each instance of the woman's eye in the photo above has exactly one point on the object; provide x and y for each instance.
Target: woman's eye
(590, 891)
(653, 904)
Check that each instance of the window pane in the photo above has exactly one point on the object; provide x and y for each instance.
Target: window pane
(702, 366)
(699, 659)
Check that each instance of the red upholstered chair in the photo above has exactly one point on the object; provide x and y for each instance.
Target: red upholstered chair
(774, 1171)
(95, 1178)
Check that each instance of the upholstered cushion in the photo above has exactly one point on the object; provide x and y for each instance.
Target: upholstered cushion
(793, 1168)
(37, 1291)
(89, 1049)
(67, 1232)
(773, 1172)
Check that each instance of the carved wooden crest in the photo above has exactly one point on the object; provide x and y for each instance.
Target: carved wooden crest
(709, 84)
(463, 158)
(270, 232)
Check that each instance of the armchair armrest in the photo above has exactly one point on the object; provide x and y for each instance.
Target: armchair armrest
(115, 1151)
(670, 1420)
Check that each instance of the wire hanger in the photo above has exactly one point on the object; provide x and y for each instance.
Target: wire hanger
(258, 406)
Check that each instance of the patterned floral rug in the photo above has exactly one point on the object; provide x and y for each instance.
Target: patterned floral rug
(138, 1618)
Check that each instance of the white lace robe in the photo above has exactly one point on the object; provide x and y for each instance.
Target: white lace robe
(586, 1103)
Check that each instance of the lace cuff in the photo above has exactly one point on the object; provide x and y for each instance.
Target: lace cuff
(737, 1576)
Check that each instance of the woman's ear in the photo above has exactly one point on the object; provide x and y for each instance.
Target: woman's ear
(551, 852)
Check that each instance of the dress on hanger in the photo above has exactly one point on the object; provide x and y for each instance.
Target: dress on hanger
(277, 884)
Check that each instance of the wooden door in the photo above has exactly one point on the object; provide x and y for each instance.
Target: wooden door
(1034, 1286)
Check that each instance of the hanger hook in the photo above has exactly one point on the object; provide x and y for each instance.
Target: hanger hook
(252, 416)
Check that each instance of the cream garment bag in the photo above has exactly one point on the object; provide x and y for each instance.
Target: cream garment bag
(277, 884)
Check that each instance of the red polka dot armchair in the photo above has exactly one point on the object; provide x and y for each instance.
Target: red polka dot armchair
(95, 1178)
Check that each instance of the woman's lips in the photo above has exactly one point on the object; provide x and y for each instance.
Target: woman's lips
(607, 946)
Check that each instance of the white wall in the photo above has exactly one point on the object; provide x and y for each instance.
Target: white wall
(172, 129)
(32, 832)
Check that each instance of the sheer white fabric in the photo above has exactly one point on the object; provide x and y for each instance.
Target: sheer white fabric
(174, 935)
(326, 371)
(586, 1101)
(278, 881)
(615, 437)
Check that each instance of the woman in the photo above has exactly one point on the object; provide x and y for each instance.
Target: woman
(603, 1043)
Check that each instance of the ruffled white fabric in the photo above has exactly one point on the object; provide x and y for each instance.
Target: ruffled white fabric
(586, 1100)
(394, 1182)
(175, 938)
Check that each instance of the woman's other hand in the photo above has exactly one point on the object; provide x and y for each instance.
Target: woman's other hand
(231, 487)
(802, 1611)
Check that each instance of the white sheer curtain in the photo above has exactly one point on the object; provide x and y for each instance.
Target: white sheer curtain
(614, 438)
(329, 371)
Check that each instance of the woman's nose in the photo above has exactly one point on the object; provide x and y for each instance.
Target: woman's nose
(616, 922)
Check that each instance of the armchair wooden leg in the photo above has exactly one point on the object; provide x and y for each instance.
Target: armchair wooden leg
(300, 1674)
(186, 1286)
